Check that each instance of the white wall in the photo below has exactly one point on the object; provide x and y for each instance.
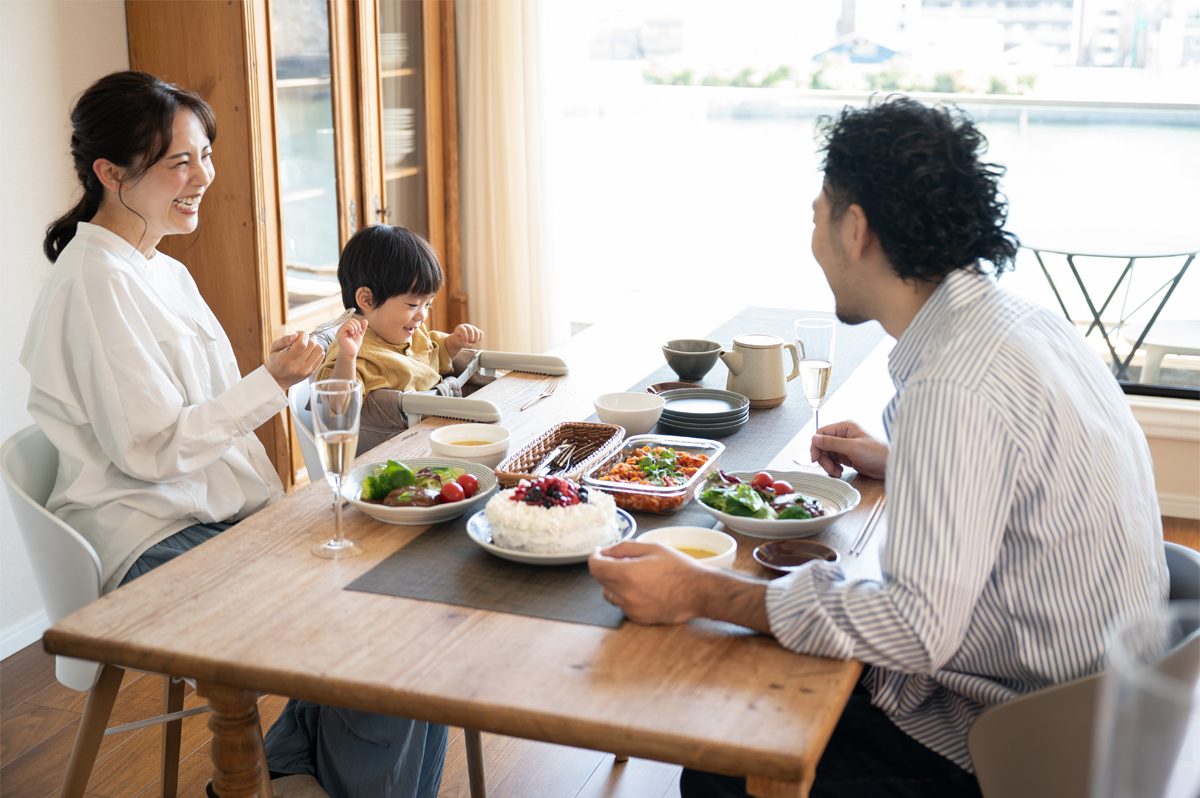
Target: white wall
(50, 51)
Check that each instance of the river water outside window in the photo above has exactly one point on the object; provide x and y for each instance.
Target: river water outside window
(681, 164)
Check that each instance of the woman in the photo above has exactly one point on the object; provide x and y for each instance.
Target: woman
(136, 385)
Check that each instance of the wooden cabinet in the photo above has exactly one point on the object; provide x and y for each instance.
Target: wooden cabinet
(331, 115)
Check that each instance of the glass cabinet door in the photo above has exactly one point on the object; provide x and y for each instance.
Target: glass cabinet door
(402, 115)
(305, 141)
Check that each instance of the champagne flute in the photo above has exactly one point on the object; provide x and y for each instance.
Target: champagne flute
(814, 342)
(336, 405)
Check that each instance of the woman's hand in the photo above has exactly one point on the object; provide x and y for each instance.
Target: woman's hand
(294, 358)
(846, 444)
(463, 336)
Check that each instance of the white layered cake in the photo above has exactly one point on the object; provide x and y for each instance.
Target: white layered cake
(549, 516)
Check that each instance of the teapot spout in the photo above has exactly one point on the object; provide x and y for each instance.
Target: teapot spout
(732, 360)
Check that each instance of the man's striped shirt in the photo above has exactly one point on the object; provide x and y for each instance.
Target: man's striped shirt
(1022, 518)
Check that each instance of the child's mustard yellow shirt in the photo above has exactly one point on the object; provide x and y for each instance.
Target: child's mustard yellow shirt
(415, 366)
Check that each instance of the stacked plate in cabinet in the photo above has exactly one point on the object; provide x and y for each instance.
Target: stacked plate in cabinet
(703, 412)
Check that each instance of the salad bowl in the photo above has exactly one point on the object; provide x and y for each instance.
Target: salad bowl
(835, 495)
(419, 516)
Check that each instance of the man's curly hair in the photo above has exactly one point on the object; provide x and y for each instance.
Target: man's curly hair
(917, 174)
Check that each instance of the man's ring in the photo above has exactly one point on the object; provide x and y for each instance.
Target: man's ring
(608, 596)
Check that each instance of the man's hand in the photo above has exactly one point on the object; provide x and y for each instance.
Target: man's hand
(657, 584)
(463, 336)
(651, 582)
(845, 444)
(293, 358)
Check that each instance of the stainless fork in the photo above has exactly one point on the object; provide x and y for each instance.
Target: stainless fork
(558, 459)
(338, 322)
(549, 390)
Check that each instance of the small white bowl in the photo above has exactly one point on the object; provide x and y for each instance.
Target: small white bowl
(636, 411)
(451, 442)
(696, 537)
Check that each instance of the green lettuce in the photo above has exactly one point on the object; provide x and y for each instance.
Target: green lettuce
(740, 500)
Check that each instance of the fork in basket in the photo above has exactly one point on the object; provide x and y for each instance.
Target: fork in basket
(549, 390)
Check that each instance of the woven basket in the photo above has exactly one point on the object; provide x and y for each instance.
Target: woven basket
(517, 467)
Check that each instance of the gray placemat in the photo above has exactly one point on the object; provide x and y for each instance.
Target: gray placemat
(443, 564)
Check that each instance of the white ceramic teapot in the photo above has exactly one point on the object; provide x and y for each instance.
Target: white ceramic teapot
(756, 368)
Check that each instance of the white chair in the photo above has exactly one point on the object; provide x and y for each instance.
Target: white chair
(302, 419)
(1041, 744)
(68, 575)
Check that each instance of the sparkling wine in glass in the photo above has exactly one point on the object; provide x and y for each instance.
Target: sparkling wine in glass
(814, 343)
(336, 405)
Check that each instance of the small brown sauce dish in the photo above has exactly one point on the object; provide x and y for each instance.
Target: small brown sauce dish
(785, 556)
(659, 387)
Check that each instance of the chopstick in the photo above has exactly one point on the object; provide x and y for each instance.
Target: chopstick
(860, 543)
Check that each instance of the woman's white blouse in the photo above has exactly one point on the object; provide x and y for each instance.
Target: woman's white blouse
(136, 384)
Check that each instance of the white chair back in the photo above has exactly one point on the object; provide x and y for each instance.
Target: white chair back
(302, 418)
(65, 566)
(1041, 744)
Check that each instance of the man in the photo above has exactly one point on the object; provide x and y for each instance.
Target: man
(1021, 501)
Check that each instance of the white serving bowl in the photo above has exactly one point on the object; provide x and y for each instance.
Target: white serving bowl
(448, 442)
(837, 496)
(636, 411)
(419, 516)
(696, 537)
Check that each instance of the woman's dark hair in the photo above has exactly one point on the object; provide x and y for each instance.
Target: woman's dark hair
(389, 260)
(127, 118)
(916, 173)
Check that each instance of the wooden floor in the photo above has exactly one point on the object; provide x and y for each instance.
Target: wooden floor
(38, 719)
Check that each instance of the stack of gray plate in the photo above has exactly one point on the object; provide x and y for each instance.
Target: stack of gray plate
(703, 412)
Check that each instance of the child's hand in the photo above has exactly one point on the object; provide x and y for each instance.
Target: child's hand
(350, 336)
(463, 335)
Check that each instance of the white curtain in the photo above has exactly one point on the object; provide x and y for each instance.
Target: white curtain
(500, 171)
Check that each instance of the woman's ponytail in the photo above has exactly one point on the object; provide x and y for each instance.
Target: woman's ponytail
(62, 230)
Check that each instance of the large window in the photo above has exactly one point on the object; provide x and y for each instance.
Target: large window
(681, 164)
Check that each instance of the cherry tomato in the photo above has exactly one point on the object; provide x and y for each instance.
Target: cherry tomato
(452, 492)
(469, 483)
(762, 480)
(783, 488)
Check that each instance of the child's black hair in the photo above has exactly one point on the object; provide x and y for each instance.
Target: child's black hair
(389, 260)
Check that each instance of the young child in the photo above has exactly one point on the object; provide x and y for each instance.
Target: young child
(391, 275)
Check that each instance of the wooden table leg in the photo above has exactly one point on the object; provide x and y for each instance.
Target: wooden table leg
(237, 746)
(771, 788)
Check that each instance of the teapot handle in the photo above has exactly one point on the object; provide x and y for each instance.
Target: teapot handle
(795, 362)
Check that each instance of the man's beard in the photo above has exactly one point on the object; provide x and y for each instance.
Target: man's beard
(845, 317)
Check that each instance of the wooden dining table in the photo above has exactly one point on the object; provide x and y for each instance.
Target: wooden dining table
(253, 611)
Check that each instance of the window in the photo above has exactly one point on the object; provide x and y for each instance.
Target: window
(683, 182)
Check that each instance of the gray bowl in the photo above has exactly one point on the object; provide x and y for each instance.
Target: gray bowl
(691, 358)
